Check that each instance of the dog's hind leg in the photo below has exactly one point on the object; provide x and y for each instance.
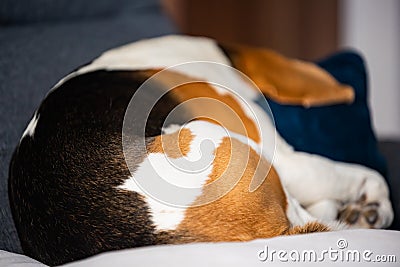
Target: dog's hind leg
(313, 179)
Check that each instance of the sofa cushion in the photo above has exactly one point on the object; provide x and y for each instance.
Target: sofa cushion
(341, 132)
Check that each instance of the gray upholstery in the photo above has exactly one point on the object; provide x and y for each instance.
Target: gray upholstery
(27, 11)
(39, 47)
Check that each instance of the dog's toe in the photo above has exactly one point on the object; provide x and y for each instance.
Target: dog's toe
(352, 216)
(371, 216)
(364, 214)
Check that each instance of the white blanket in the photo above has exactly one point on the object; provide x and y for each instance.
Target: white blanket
(341, 248)
(349, 247)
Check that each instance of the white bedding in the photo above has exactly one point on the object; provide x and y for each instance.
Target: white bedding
(341, 248)
(8, 259)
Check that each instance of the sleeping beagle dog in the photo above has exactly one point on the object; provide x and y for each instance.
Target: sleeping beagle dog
(161, 142)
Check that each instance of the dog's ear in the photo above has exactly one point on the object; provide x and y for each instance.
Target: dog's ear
(288, 81)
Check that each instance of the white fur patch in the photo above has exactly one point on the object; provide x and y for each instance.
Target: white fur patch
(164, 217)
(296, 214)
(171, 129)
(30, 129)
(189, 172)
(168, 51)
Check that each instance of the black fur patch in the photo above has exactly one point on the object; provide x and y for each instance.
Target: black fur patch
(63, 179)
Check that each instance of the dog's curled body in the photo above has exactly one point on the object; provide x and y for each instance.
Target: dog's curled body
(79, 178)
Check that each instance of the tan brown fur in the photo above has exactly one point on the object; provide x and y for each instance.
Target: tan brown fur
(311, 227)
(288, 81)
(204, 102)
(240, 215)
(174, 145)
(220, 109)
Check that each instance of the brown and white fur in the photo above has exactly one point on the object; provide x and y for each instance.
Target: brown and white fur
(80, 184)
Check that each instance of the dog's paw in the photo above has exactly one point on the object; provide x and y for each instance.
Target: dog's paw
(366, 214)
(369, 206)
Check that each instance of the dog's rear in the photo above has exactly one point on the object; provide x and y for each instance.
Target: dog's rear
(65, 170)
(69, 181)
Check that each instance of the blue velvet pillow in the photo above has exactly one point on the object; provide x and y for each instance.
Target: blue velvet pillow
(341, 132)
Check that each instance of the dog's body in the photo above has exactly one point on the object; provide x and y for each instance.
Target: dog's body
(85, 177)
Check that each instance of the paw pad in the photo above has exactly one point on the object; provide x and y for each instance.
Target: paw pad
(360, 213)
